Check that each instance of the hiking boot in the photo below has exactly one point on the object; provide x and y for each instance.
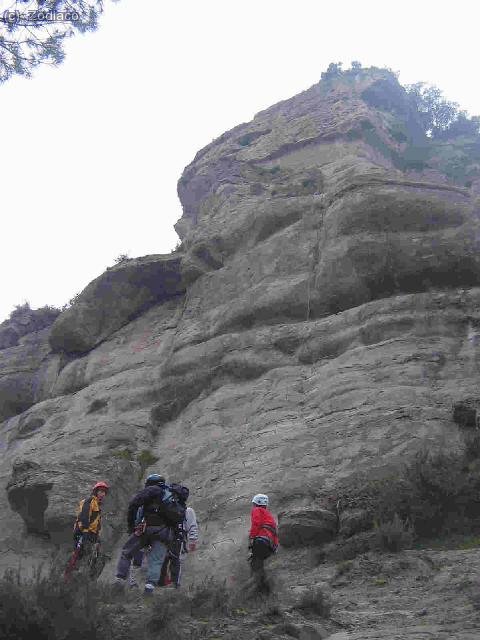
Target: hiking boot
(149, 588)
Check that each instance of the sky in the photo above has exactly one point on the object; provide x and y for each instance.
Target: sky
(91, 150)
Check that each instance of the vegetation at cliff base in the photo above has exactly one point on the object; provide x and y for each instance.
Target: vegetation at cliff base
(434, 496)
(46, 607)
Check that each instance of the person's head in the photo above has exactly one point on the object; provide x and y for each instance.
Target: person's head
(154, 479)
(100, 490)
(260, 500)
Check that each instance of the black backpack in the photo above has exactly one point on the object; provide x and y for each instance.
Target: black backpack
(172, 506)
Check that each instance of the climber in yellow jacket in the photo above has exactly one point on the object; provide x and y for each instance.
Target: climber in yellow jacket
(86, 530)
(89, 514)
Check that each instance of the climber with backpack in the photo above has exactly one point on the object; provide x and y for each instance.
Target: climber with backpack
(139, 556)
(162, 512)
(263, 538)
(86, 530)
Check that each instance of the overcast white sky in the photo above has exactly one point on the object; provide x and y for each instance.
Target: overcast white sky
(92, 150)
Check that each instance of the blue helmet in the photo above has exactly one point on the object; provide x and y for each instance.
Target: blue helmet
(260, 499)
(154, 478)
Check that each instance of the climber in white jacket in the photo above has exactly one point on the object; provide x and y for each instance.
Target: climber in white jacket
(186, 543)
(190, 527)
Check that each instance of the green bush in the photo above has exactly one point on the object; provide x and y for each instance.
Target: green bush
(71, 302)
(211, 597)
(399, 131)
(20, 309)
(46, 608)
(436, 493)
(145, 459)
(334, 70)
(123, 454)
(343, 567)
(394, 535)
(162, 619)
(41, 317)
(123, 257)
(247, 138)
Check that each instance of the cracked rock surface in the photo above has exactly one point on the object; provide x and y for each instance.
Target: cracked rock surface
(318, 324)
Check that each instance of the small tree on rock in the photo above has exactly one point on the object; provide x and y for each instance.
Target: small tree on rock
(32, 32)
(334, 69)
(435, 112)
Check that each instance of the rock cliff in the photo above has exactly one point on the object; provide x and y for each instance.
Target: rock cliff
(317, 323)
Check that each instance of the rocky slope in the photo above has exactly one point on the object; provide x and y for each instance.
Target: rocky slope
(318, 322)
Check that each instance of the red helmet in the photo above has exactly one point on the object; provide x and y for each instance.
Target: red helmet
(101, 485)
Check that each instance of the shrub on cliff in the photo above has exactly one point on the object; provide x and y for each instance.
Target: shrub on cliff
(46, 608)
(20, 309)
(437, 492)
(334, 70)
(315, 601)
(123, 257)
(394, 535)
(23, 319)
(435, 495)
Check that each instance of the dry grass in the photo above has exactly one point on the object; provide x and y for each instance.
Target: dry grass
(315, 601)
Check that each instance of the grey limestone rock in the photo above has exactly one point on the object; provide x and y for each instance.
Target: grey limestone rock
(319, 322)
(117, 296)
(306, 526)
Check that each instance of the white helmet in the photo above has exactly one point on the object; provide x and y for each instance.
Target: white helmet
(260, 499)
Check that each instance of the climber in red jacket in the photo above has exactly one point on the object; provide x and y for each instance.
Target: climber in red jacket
(263, 537)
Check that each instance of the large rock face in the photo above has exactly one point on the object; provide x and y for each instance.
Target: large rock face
(117, 296)
(320, 321)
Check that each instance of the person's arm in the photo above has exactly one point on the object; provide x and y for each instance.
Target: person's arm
(137, 501)
(192, 529)
(256, 519)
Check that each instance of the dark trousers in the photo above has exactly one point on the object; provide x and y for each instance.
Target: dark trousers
(260, 552)
(137, 558)
(88, 540)
(88, 560)
(172, 564)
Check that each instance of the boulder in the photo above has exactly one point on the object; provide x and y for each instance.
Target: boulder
(25, 373)
(114, 298)
(303, 527)
(8, 337)
(352, 521)
(346, 549)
